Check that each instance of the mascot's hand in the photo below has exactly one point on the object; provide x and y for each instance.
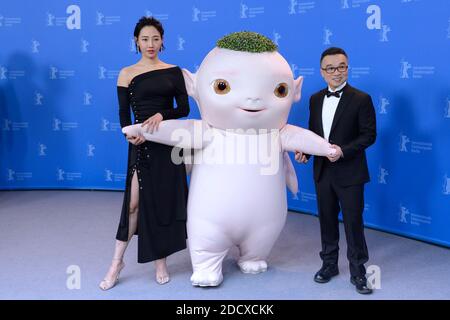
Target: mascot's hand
(337, 155)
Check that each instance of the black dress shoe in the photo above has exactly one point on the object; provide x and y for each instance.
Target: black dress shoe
(325, 273)
(361, 285)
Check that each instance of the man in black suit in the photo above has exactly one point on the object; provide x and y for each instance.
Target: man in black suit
(344, 116)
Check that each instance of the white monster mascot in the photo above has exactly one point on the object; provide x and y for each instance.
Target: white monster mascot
(237, 197)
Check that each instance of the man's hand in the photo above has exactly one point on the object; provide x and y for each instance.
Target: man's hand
(300, 157)
(335, 157)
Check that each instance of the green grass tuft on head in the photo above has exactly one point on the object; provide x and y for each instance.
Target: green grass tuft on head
(247, 41)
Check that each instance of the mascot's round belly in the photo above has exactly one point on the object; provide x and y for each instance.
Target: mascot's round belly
(237, 196)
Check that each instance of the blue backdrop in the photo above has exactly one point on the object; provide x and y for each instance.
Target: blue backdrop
(59, 62)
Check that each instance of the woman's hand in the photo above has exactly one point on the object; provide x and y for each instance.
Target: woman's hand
(135, 140)
(152, 123)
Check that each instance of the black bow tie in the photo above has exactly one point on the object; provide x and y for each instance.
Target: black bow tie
(336, 94)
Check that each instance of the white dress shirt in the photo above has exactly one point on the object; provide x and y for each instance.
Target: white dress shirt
(328, 110)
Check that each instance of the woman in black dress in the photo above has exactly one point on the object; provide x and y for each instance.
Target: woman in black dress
(155, 198)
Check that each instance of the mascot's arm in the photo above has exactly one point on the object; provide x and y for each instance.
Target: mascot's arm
(187, 134)
(291, 176)
(298, 139)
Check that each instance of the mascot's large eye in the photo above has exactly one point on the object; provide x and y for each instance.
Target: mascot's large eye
(221, 86)
(281, 90)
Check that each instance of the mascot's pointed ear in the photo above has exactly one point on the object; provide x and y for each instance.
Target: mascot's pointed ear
(298, 88)
(190, 80)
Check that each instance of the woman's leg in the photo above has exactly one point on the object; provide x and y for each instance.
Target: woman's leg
(119, 251)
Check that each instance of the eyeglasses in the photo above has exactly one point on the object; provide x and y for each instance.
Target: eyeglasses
(331, 70)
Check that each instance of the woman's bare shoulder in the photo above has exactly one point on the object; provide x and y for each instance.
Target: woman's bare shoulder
(125, 75)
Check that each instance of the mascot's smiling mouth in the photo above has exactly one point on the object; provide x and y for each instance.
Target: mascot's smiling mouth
(252, 110)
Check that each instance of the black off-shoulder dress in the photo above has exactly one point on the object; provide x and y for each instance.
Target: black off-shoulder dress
(162, 184)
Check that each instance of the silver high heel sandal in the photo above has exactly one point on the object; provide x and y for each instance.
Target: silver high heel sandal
(108, 284)
(162, 280)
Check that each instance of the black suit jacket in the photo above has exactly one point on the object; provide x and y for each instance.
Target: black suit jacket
(353, 129)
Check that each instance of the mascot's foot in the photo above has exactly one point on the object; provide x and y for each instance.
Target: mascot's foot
(253, 266)
(206, 279)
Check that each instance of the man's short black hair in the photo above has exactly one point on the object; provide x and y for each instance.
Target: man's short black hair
(331, 52)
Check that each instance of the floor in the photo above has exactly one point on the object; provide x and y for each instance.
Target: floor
(54, 240)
